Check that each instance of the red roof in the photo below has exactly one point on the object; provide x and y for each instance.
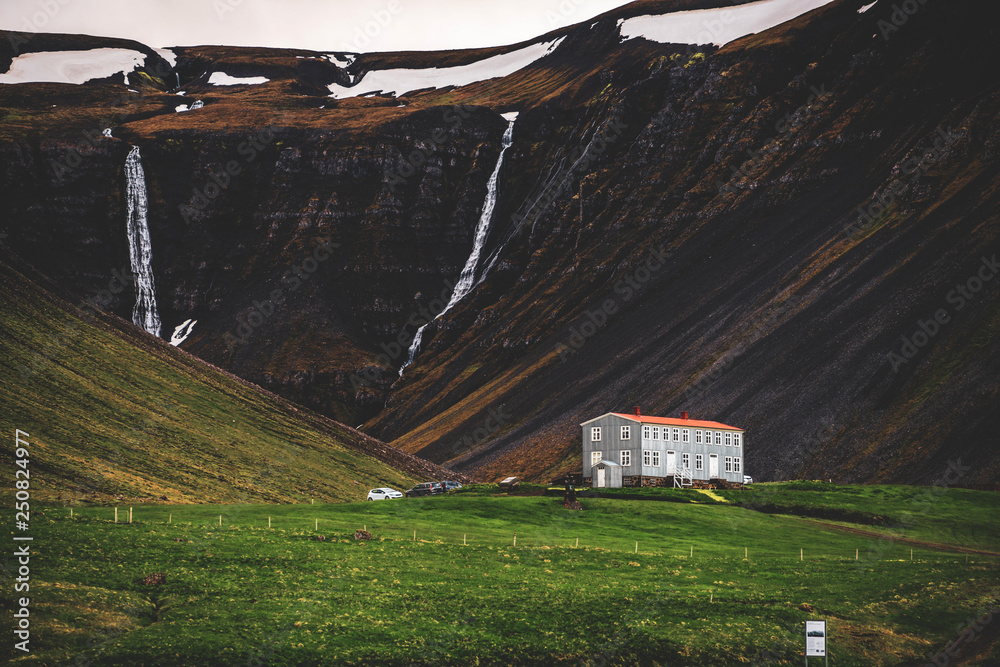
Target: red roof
(673, 421)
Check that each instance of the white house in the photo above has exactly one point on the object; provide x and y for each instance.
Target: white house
(661, 451)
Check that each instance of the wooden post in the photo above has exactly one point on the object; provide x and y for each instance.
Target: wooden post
(414, 536)
(711, 597)
(366, 527)
(464, 535)
(130, 521)
(800, 554)
(116, 515)
(578, 543)
(637, 546)
(170, 518)
(911, 554)
(856, 551)
(268, 522)
(692, 551)
(220, 519)
(515, 538)
(746, 552)
(71, 512)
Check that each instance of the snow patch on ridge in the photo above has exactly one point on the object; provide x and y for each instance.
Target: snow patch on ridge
(717, 26)
(182, 331)
(75, 67)
(223, 79)
(400, 80)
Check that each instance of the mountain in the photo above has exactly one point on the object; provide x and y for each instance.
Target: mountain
(111, 412)
(793, 232)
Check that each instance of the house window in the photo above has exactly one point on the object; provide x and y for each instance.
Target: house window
(737, 464)
(729, 439)
(697, 437)
(729, 464)
(595, 433)
(656, 433)
(686, 435)
(656, 458)
(718, 437)
(677, 434)
(625, 457)
(595, 458)
(645, 433)
(646, 457)
(686, 461)
(699, 462)
(626, 430)
(736, 439)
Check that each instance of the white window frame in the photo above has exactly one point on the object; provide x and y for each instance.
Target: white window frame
(595, 458)
(656, 433)
(685, 435)
(626, 433)
(646, 457)
(699, 461)
(645, 433)
(729, 464)
(697, 436)
(685, 461)
(737, 464)
(595, 433)
(656, 458)
(737, 439)
(718, 437)
(729, 439)
(625, 457)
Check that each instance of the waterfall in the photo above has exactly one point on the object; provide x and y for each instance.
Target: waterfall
(140, 251)
(467, 280)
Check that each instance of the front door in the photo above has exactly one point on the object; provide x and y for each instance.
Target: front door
(600, 478)
(671, 463)
(713, 466)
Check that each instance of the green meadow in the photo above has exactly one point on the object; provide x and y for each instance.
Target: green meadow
(443, 582)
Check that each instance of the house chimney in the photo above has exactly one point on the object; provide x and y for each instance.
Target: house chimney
(684, 414)
(635, 409)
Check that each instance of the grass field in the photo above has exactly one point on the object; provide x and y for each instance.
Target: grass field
(708, 584)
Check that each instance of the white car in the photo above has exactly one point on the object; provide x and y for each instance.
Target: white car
(384, 493)
(747, 479)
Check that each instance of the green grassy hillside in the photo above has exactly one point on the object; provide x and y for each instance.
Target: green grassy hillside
(709, 584)
(111, 411)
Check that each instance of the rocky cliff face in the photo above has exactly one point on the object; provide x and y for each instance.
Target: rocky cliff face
(794, 233)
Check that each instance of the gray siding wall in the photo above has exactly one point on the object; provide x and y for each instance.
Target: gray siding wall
(611, 444)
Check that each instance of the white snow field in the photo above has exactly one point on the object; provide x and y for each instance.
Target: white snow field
(223, 79)
(71, 66)
(400, 80)
(716, 26)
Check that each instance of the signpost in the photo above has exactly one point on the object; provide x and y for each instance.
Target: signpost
(816, 640)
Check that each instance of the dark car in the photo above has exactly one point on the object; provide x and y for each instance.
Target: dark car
(451, 486)
(425, 489)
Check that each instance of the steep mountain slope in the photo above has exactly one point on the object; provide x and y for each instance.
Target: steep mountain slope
(676, 227)
(110, 411)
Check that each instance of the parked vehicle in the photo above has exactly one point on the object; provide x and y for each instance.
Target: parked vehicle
(510, 483)
(451, 486)
(425, 489)
(747, 479)
(384, 493)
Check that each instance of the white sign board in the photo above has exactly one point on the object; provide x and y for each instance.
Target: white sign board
(815, 638)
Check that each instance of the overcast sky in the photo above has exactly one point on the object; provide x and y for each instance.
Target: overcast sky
(321, 25)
